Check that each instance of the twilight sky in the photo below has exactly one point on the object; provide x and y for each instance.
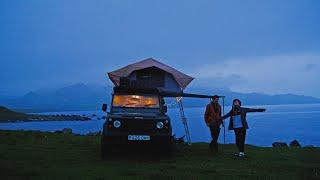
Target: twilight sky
(266, 46)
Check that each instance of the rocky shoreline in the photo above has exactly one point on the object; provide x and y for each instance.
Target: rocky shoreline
(60, 117)
(7, 115)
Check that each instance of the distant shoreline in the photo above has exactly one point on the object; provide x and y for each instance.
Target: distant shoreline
(61, 118)
(8, 116)
(36, 111)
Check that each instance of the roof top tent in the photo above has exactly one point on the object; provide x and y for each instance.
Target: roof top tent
(152, 74)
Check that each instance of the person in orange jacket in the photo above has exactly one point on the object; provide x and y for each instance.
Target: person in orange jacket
(212, 117)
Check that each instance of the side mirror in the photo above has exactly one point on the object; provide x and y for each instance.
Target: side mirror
(104, 107)
(165, 109)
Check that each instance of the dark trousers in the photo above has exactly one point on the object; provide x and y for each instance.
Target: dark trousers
(240, 138)
(215, 131)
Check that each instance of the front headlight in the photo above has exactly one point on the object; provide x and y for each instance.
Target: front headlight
(159, 125)
(116, 124)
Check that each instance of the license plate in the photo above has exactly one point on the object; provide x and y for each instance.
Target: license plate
(138, 138)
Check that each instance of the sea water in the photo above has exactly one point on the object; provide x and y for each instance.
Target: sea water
(279, 123)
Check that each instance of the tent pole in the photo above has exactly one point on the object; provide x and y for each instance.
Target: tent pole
(224, 128)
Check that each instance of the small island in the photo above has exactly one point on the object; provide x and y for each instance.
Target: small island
(7, 115)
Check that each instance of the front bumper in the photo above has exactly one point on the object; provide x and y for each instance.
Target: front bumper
(118, 139)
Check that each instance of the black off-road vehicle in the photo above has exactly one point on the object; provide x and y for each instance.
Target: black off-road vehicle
(137, 120)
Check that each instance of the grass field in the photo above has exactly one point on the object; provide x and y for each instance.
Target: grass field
(38, 155)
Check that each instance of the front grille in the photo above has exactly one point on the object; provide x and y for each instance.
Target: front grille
(138, 125)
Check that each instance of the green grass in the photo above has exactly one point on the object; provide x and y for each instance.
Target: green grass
(37, 155)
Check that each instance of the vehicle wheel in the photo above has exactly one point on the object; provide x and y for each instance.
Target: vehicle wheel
(169, 149)
(106, 150)
(172, 148)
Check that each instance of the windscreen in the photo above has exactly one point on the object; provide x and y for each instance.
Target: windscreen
(136, 101)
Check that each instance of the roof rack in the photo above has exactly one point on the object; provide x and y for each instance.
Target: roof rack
(159, 92)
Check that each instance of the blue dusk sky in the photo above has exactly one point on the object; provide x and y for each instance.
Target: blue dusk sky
(267, 46)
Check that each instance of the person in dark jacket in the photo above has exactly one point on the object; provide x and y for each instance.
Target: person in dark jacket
(238, 123)
(212, 117)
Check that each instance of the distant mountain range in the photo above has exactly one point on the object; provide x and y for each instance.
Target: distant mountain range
(90, 97)
(74, 97)
(250, 98)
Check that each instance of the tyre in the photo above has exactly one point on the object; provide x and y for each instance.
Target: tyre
(171, 148)
(168, 149)
(106, 150)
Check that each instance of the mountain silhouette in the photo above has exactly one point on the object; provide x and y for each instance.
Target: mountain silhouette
(90, 97)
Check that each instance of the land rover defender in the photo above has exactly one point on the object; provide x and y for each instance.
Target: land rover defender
(136, 119)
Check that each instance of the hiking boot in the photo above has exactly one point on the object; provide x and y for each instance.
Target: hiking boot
(240, 154)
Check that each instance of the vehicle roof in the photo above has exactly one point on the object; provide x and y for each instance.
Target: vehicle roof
(120, 90)
(158, 92)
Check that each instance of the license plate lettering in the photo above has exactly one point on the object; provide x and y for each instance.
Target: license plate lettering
(138, 138)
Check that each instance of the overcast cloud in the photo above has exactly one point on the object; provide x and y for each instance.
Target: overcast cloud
(296, 73)
(267, 46)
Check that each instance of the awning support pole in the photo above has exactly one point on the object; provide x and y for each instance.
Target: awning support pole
(224, 127)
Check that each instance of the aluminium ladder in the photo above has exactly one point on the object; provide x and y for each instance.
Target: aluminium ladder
(184, 120)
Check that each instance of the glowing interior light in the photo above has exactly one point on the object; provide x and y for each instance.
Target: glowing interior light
(135, 101)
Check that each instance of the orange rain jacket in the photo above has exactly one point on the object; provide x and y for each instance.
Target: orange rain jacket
(211, 116)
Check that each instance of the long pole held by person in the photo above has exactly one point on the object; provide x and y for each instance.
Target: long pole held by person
(224, 128)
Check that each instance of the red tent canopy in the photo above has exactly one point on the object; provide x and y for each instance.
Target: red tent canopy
(182, 79)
